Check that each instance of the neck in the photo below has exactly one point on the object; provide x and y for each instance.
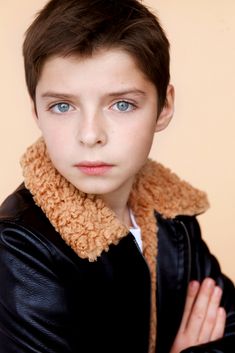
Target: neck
(119, 205)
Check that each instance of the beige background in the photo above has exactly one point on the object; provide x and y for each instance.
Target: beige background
(199, 144)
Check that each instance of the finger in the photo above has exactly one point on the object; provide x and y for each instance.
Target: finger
(218, 330)
(211, 316)
(200, 307)
(192, 291)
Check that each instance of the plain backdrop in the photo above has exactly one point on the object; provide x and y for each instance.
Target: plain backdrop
(198, 145)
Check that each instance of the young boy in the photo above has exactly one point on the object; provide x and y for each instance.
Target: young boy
(100, 250)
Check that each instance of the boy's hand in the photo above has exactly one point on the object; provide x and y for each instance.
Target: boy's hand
(203, 320)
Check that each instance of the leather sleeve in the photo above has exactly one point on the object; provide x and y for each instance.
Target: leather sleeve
(204, 264)
(32, 299)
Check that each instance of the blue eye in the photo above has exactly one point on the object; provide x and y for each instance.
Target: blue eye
(61, 108)
(124, 106)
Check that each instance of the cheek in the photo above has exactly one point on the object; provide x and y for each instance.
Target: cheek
(144, 144)
(144, 134)
(56, 146)
(55, 136)
(138, 147)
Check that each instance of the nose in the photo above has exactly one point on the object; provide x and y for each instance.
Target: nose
(92, 130)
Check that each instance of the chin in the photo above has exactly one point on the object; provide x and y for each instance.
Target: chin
(94, 190)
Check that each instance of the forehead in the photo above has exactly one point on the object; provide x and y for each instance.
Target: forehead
(112, 66)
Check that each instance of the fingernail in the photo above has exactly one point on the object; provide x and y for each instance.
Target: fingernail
(221, 311)
(209, 282)
(194, 285)
(217, 291)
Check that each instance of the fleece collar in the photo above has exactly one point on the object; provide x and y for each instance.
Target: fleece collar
(84, 221)
(89, 227)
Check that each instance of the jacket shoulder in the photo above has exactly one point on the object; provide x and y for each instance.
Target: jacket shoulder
(16, 204)
(20, 215)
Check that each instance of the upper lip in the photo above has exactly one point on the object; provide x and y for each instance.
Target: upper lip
(92, 164)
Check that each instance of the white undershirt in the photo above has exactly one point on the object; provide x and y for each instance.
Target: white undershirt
(136, 231)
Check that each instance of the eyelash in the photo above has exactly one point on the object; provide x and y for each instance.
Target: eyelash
(131, 107)
(57, 104)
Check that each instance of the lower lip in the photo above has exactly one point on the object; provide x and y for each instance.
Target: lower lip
(94, 170)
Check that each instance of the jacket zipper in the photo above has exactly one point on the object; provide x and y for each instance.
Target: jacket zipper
(189, 249)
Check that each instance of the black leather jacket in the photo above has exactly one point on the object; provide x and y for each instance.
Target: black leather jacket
(52, 301)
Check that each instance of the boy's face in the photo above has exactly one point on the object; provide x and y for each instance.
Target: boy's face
(98, 116)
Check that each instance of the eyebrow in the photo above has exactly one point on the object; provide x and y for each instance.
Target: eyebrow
(61, 95)
(51, 94)
(128, 91)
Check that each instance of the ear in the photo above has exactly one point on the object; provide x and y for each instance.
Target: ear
(167, 111)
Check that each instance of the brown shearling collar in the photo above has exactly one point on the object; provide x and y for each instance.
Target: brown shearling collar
(75, 214)
(88, 226)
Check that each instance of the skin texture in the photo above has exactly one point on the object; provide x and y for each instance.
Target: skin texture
(203, 319)
(101, 108)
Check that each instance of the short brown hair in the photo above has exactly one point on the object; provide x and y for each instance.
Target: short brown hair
(68, 27)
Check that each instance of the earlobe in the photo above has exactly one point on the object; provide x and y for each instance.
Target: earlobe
(167, 112)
